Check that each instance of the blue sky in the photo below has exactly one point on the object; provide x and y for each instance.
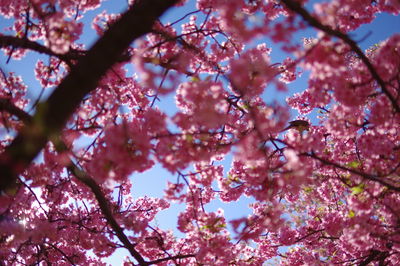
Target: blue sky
(152, 183)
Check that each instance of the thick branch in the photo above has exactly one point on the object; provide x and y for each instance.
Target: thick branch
(297, 8)
(52, 115)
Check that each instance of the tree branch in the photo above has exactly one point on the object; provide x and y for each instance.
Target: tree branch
(171, 258)
(6, 105)
(297, 8)
(52, 115)
(62, 253)
(353, 171)
(25, 43)
(105, 209)
(88, 181)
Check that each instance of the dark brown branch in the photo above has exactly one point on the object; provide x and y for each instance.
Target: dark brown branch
(103, 202)
(307, 235)
(52, 115)
(96, 189)
(25, 43)
(82, 176)
(105, 209)
(171, 258)
(374, 178)
(104, 205)
(297, 8)
(6, 105)
(62, 253)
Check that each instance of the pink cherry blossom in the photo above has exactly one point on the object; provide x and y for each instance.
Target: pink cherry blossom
(173, 138)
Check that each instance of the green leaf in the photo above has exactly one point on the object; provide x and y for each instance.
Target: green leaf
(308, 190)
(221, 226)
(354, 164)
(189, 138)
(204, 227)
(234, 179)
(195, 79)
(357, 189)
(246, 106)
(351, 214)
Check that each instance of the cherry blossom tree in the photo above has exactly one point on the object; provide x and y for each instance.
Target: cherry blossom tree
(326, 193)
